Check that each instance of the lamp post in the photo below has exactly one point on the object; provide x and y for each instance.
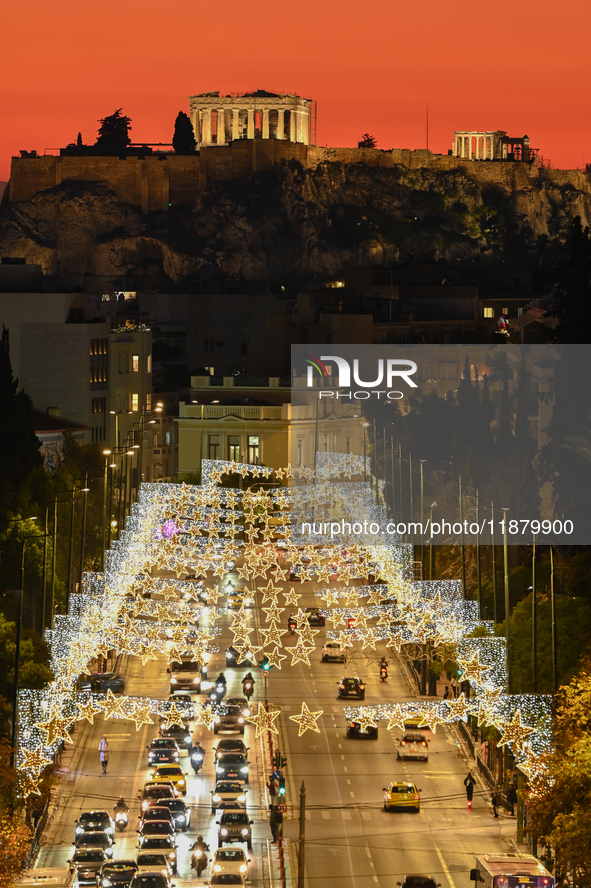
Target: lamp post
(494, 564)
(365, 426)
(71, 545)
(110, 513)
(534, 621)
(462, 546)
(85, 490)
(107, 454)
(507, 604)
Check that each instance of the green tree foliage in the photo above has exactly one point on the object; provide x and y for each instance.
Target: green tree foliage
(573, 295)
(367, 141)
(183, 140)
(560, 807)
(114, 130)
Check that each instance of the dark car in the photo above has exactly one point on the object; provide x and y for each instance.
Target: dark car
(354, 731)
(413, 881)
(351, 687)
(94, 821)
(157, 828)
(103, 681)
(95, 841)
(88, 862)
(150, 880)
(232, 766)
(163, 750)
(241, 702)
(116, 872)
(229, 745)
(228, 718)
(154, 793)
(179, 733)
(232, 658)
(234, 826)
(180, 811)
(155, 812)
(315, 618)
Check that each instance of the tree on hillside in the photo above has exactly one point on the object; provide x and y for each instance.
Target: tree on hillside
(114, 130)
(367, 141)
(79, 142)
(573, 294)
(183, 140)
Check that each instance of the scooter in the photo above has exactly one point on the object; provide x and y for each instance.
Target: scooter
(248, 689)
(383, 673)
(197, 761)
(199, 859)
(217, 693)
(292, 627)
(121, 820)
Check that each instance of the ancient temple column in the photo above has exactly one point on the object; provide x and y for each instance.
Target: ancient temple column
(280, 134)
(235, 123)
(250, 127)
(292, 126)
(206, 127)
(265, 123)
(221, 127)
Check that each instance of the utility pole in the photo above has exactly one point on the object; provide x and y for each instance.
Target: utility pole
(83, 535)
(302, 847)
(70, 553)
(53, 562)
(44, 580)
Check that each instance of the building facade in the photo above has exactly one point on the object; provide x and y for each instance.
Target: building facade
(491, 145)
(218, 120)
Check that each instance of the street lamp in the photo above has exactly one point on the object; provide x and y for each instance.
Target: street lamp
(365, 426)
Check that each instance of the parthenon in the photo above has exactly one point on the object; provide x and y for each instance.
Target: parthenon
(491, 145)
(218, 120)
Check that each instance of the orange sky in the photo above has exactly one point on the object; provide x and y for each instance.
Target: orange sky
(372, 65)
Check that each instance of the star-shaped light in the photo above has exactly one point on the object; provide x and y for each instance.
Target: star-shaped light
(306, 633)
(34, 760)
(264, 721)
(244, 571)
(173, 715)
(473, 668)
(488, 703)
(396, 713)
(431, 718)
(141, 714)
(55, 730)
(306, 720)
(273, 613)
(300, 653)
(291, 597)
(365, 719)
(274, 658)
(515, 733)
(272, 635)
(458, 708)
(87, 710)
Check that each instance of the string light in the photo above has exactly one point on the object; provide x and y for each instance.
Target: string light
(307, 720)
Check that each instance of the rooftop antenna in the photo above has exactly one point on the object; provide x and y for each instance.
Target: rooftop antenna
(427, 126)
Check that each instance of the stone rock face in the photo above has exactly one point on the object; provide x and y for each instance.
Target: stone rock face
(265, 226)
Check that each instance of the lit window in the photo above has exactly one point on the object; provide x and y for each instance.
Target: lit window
(253, 450)
(135, 363)
(149, 364)
(519, 311)
(135, 403)
(505, 311)
(234, 447)
(489, 311)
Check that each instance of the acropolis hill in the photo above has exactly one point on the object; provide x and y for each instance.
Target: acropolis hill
(261, 206)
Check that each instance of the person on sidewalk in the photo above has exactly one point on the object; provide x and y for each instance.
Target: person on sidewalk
(104, 753)
(273, 823)
(469, 783)
(446, 693)
(496, 800)
(512, 799)
(272, 788)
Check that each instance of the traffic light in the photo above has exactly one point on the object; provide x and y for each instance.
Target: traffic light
(282, 786)
(265, 665)
(279, 761)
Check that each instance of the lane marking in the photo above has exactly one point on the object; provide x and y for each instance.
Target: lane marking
(325, 814)
(365, 815)
(368, 852)
(352, 794)
(346, 815)
(452, 884)
(346, 770)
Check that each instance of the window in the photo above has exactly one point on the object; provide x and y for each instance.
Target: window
(425, 371)
(167, 438)
(98, 346)
(135, 363)
(156, 439)
(489, 311)
(505, 311)
(253, 450)
(149, 401)
(519, 311)
(149, 364)
(448, 371)
(214, 447)
(299, 451)
(135, 403)
(234, 447)
(99, 405)
(207, 344)
(347, 445)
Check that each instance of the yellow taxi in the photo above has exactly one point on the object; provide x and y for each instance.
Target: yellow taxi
(401, 794)
(412, 721)
(172, 773)
(238, 597)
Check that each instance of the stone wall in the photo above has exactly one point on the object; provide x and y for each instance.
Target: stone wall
(160, 181)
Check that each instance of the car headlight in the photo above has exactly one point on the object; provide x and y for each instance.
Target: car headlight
(196, 681)
(244, 770)
(240, 721)
(79, 830)
(106, 883)
(110, 831)
(219, 770)
(173, 681)
(224, 832)
(180, 818)
(109, 852)
(217, 798)
(217, 719)
(243, 868)
(172, 855)
(241, 798)
(181, 782)
(217, 868)
(244, 832)
(245, 712)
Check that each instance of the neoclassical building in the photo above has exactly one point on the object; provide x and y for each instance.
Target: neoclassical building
(491, 145)
(218, 120)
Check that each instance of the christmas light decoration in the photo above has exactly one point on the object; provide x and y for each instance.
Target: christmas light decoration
(264, 720)
(306, 720)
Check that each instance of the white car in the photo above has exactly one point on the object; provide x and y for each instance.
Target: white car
(153, 861)
(413, 745)
(333, 651)
(228, 794)
(230, 860)
(227, 880)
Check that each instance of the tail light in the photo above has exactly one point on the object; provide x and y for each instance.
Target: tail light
(424, 743)
(403, 742)
(361, 687)
(416, 797)
(342, 686)
(351, 724)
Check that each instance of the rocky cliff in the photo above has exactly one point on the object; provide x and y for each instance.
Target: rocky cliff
(264, 226)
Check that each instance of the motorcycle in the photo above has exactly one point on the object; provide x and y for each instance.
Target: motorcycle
(292, 627)
(197, 761)
(199, 859)
(217, 693)
(121, 820)
(383, 673)
(248, 688)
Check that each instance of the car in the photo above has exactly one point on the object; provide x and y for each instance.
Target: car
(351, 687)
(116, 872)
(185, 702)
(230, 860)
(151, 880)
(154, 793)
(354, 731)
(93, 841)
(401, 794)
(234, 826)
(412, 745)
(332, 651)
(88, 862)
(238, 598)
(315, 618)
(179, 733)
(153, 861)
(157, 828)
(180, 811)
(94, 821)
(229, 744)
(241, 702)
(413, 721)
(222, 879)
(228, 794)
(103, 681)
(163, 844)
(163, 750)
(413, 880)
(228, 718)
(155, 813)
(232, 766)
(170, 773)
(232, 658)
(185, 675)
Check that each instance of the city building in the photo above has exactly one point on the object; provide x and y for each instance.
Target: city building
(50, 428)
(218, 119)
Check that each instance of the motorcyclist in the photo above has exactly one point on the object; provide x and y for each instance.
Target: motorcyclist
(199, 855)
(248, 684)
(384, 663)
(221, 679)
(196, 761)
(121, 806)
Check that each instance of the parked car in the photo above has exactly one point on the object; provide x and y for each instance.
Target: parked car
(234, 826)
(351, 687)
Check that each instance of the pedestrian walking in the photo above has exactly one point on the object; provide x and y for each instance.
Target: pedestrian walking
(496, 800)
(469, 783)
(446, 693)
(104, 753)
(273, 822)
(279, 822)
(512, 799)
